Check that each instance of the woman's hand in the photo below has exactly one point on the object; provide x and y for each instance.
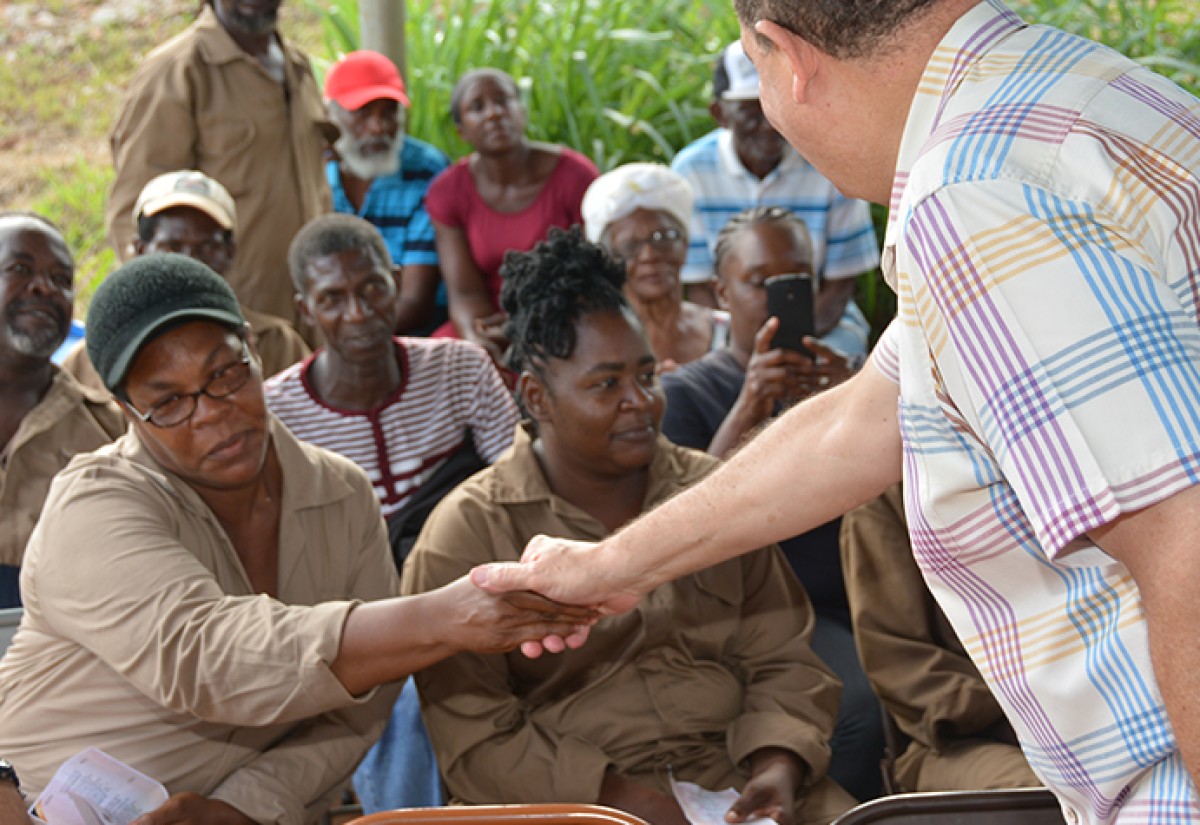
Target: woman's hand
(484, 622)
(193, 809)
(489, 333)
(776, 778)
(828, 369)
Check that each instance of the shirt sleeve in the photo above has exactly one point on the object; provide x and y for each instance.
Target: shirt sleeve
(578, 174)
(790, 697)
(1056, 333)
(113, 561)
(931, 688)
(491, 414)
(155, 133)
(851, 247)
(698, 267)
(420, 242)
(298, 778)
(445, 202)
(475, 720)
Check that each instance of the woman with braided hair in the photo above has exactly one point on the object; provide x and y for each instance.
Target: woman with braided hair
(711, 680)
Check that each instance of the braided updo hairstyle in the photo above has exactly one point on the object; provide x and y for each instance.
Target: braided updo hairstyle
(549, 289)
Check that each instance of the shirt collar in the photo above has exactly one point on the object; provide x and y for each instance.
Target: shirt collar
(732, 165)
(319, 483)
(969, 39)
(62, 396)
(517, 476)
(218, 46)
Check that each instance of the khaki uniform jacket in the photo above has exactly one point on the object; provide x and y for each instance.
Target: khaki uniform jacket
(705, 671)
(70, 419)
(200, 102)
(277, 344)
(143, 637)
(911, 655)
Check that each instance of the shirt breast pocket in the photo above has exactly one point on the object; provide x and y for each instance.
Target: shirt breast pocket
(224, 151)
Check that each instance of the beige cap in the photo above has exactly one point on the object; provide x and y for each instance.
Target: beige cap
(188, 188)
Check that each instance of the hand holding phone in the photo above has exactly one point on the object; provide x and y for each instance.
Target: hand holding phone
(792, 299)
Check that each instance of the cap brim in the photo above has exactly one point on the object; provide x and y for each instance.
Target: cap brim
(356, 99)
(744, 94)
(120, 367)
(174, 199)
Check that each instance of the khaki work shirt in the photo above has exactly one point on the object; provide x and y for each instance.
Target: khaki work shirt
(909, 651)
(200, 102)
(70, 419)
(277, 344)
(143, 637)
(704, 672)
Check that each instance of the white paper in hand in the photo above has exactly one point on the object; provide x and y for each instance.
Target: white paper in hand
(703, 807)
(92, 788)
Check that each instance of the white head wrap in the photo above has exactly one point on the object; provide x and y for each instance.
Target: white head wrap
(635, 186)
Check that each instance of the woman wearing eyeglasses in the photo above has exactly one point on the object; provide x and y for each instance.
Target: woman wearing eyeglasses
(208, 599)
(639, 213)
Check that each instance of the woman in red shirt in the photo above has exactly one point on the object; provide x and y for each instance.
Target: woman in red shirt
(504, 195)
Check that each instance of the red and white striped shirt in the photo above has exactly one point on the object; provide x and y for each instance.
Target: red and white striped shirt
(446, 386)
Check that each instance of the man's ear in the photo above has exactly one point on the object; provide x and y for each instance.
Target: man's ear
(718, 113)
(803, 58)
(722, 293)
(533, 396)
(302, 311)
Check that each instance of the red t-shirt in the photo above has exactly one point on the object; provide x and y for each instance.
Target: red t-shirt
(453, 200)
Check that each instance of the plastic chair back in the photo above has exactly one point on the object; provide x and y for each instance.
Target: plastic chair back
(1024, 806)
(503, 815)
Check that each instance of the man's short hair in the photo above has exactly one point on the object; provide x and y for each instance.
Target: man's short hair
(844, 29)
(42, 219)
(329, 235)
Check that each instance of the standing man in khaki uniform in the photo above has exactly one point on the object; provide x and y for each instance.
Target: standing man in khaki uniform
(46, 417)
(231, 98)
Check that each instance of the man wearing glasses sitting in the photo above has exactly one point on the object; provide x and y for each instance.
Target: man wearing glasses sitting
(196, 593)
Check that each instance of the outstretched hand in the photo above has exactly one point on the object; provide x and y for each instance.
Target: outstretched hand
(568, 572)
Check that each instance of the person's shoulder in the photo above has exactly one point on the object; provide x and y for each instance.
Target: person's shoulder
(450, 182)
(328, 477)
(705, 374)
(285, 383)
(701, 152)
(439, 352)
(687, 465)
(423, 155)
(576, 164)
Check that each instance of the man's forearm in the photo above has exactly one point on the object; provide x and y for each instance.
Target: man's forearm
(819, 460)
(1158, 546)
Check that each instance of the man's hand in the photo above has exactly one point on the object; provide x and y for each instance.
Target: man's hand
(193, 809)
(569, 572)
(646, 803)
(771, 791)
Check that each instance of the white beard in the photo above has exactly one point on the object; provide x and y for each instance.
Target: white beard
(368, 168)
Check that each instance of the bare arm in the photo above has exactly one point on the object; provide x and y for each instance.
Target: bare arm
(1158, 546)
(466, 287)
(418, 285)
(822, 458)
(438, 624)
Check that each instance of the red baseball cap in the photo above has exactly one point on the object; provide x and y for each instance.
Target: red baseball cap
(360, 77)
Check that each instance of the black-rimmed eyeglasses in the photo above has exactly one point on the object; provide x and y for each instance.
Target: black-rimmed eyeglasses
(177, 409)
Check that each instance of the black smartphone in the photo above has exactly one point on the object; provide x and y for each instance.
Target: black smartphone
(792, 299)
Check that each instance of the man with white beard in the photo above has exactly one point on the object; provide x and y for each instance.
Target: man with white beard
(381, 175)
(46, 416)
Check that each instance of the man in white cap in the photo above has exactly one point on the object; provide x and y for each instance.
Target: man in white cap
(381, 175)
(747, 163)
(189, 213)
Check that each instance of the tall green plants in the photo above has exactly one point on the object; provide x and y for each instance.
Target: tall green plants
(618, 81)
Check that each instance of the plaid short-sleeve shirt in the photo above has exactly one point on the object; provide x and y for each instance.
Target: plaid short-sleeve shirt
(1044, 240)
